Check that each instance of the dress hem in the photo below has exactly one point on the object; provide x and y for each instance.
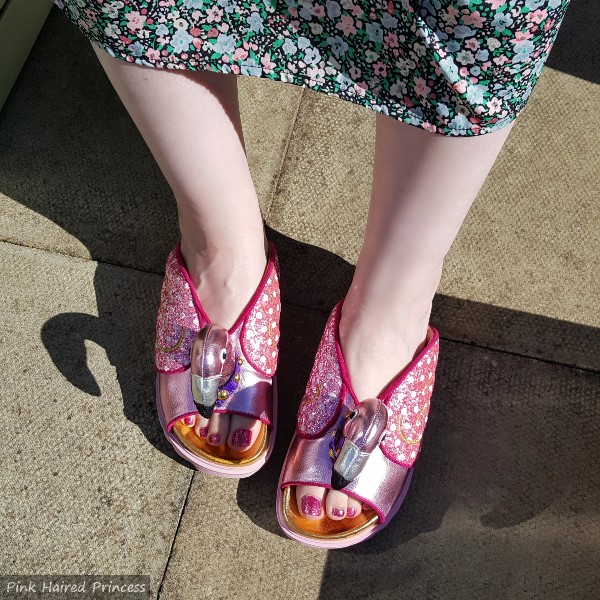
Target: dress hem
(304, 81)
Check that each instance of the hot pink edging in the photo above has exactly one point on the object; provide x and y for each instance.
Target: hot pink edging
(259, 290)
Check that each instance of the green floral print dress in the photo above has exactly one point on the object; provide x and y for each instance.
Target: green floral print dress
(451, 67)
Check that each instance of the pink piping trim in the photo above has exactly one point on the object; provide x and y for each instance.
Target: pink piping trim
(348, 493)
(202, 313)
(432, 333)
(259, 290)
(172, 422)
(174, 372)
(338, 349)
(401, 464)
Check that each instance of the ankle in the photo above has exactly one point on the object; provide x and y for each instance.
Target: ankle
(225, 278)
(378, 344)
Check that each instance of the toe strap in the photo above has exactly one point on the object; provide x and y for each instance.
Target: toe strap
(379, 484)
(253, 397)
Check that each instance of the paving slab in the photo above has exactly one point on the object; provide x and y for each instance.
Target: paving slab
(77, 177)
(504, 502)
(89, 485)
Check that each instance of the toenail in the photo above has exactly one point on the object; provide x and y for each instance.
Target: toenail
(241, 437)
(351, 513)
(189, 421)
(338, 512)
(311, 505)
(203, 432)
(214, 438)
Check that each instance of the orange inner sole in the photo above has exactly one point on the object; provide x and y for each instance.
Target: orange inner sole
(325, 527)
(222, 454)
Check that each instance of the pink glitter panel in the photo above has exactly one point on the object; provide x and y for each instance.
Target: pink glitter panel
(409, 407)
(177, 322)
(323, 391)
(260, 334)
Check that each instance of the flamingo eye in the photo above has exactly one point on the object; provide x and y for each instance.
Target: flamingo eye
(223, 355)
(352, 414)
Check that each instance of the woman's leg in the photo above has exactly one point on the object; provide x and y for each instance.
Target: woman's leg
(191, 123)
(423, 187)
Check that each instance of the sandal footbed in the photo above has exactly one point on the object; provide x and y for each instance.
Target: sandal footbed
(325, 527)
(222, 454)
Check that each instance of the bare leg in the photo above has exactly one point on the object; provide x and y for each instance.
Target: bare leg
(191, 124)
(423, 187)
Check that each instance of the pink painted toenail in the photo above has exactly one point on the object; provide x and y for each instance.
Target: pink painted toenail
(214, 438)
(311, 505)
(338, 512)
(203, 432)
(351, 512)
(241, 437)
(189, 421)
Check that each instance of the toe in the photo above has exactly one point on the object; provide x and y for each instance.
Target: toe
(242, 432)
(310, 499)
(218, 428)
(354, 508)
(201, 427)
(190, 420)
(336, 505)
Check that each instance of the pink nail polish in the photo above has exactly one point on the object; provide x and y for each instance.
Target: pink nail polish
(189, 420)
(338, 512)
(214, 438)
(311, 505)
(241, 438)
(203, 432)
(351, 512)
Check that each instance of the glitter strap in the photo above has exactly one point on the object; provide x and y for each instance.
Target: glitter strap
(322, 399)
(408, 400)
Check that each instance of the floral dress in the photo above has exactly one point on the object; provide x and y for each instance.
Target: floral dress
(452, 67)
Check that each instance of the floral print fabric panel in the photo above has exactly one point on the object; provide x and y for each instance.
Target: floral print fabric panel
(452, 67)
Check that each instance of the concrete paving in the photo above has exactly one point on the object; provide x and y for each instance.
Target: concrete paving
(505, 499)
(89, 484)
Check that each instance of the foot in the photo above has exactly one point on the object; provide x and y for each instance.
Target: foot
(372, 363)
(225, 282)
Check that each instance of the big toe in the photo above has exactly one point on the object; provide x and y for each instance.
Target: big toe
(243, 432)
(311, 501)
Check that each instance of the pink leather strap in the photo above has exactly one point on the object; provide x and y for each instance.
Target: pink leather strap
(176, 396)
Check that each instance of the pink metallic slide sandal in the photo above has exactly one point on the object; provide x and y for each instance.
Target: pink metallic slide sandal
(204, 368)
(365, 449)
